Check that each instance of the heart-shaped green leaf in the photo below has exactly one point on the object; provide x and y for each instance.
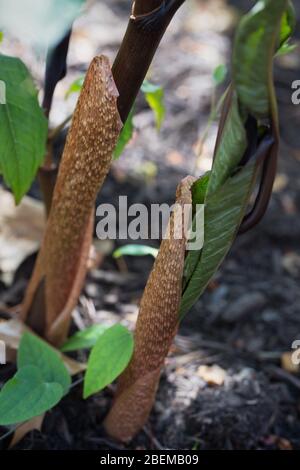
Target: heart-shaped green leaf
(36, 352)
(108, 359)
(27, 395)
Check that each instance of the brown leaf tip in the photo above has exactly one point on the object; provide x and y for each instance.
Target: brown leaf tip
(183, 191)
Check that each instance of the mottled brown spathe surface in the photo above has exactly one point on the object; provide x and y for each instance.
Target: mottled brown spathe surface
(156, 327)
(86, 160)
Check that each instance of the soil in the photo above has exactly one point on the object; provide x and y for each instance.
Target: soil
(249, 315)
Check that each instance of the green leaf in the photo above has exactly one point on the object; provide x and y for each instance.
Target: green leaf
(224, 211)
(288, 24)
(125, 136)
(148, 87)
(84, 339)
(224, 201)
(39, 23)
(27, 395)
(254, 48)
(1, 37)
(23, 127)
(36, 352)
(199, 189)
(75, 87)
(285, 49)
(154, 96)
(219, 74)
(108, 359)
(135, 250)
(229, 187)
(231, 149)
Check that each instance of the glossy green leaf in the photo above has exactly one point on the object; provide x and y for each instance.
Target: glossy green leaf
(75, 87)
(125, 136)
(154, 96)
(224, 211)
(229, 187)
(27, 395)
(23, 127)
(84, 339)
(254, 48)
(223, 201)
(35, 352)
(108, 359)
(219, 74)
(231, 149)
(135, 250)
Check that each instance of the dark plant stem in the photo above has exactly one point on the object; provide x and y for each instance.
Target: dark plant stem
(56, 69)
(138, 49)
